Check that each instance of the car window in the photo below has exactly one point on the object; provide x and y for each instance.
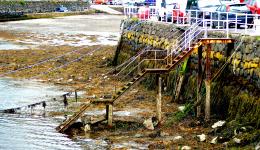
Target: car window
(252, 2)
(219, 8)
(223, 8)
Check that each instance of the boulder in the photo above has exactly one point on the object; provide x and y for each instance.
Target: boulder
(181, 108)
(87, 128)
(148, 123)
(186, 148)
(214, 140)
(237, 140)
(218, 124)
(202, 137)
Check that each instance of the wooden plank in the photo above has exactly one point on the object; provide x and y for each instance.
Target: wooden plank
(98, 120)
(65, 125)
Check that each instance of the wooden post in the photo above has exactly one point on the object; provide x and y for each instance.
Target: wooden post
(109, 115)
(199, 79)
(76, 95)
(208, 83)
(178, 89)
(159, 100)
(207, 104)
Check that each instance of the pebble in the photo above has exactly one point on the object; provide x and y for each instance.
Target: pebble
(164, 134)
(138, 135)
(181, 108)
(87, 128)
(186, 148)
(214, 140)
(202, 137)
(218, 124)
(177, 137)
(148, 123)
(237, 140)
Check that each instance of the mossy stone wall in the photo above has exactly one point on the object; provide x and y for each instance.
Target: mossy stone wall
(235, 93)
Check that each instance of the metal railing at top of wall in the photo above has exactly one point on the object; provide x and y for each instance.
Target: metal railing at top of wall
(228, 22)
(162, 58)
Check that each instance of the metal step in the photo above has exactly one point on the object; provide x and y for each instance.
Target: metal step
(156, 70)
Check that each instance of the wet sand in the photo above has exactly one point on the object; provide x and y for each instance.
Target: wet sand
(69, 31)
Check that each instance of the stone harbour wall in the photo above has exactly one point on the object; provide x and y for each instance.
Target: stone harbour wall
(245, 63)
(20, 6)
(235, 93)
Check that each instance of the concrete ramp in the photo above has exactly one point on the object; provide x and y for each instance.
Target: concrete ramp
(106, 8)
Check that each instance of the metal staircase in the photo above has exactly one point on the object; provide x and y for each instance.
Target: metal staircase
(163, 61)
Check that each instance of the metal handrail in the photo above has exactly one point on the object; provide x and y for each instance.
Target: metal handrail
(214, 17)
(136, 56)
(193, 31)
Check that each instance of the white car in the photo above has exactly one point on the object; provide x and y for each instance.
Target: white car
(114, 2)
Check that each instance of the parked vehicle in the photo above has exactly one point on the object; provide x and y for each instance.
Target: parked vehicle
(229, 1)
(202, 9)
(177, 14)
(166, 8)
(143, 12)
(133, 2)
(114, 2)
(205, 8)
(101, 2)
(150, 2)
(254, 6)
(234, 14)
(165, 12)
(62, 9)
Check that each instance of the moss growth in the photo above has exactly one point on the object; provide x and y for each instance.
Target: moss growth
(180, 115)
(22, 2)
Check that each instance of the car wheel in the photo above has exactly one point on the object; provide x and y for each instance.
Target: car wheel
(159, 18)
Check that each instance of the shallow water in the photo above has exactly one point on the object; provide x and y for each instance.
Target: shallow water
(26, 130)
(16, 93)
(32, 130)
(20, 132)
(8, 45)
